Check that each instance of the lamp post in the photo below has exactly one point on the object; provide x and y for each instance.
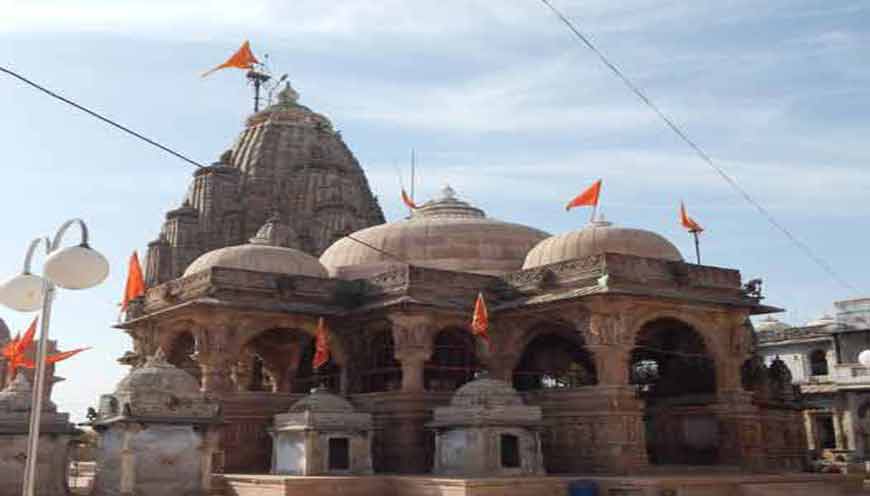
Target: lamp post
(73, 267)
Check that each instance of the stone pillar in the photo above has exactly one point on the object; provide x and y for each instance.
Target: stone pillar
(216, 358)
(740, 430)
(413, 347)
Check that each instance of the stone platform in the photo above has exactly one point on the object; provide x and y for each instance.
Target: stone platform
(713, 484)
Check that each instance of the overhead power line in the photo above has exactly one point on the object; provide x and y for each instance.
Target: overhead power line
(700, 152)
(158, 145)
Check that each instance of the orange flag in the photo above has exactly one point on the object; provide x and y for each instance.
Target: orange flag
(135, 282)
(14, 351)
(321, 345)
(480, 319)
(57, 357)
(688, 222)
(242, 59)
(408, 201)
(589, 197)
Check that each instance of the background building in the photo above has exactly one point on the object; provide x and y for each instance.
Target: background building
(822, 357)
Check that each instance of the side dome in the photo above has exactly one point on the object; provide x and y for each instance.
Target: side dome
(771, 324)
(487, 393)
(159, 376)
(446, 233)
(322, 401)
(601, 237)
(264, 253)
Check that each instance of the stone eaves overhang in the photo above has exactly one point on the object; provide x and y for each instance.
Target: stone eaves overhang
(448, 291)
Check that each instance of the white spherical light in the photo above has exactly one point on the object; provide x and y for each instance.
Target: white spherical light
(76, 267)
(23, 293)
(864, 358)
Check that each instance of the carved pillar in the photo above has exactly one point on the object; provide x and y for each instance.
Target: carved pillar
(213, 353)
(413, 346)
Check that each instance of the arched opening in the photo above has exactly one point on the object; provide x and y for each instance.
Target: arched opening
(454, 361)
(818, 362)
(181, 353)
(279, 360)
(553, 360)
(676, 377)
(381, 371)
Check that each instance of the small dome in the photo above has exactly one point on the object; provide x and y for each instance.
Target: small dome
(18, 396)
(264, 253)
(771, 323)
(487, 393)
(601, 237)
(446, 233)
(159, 376)
(322, 401)
(287, 109)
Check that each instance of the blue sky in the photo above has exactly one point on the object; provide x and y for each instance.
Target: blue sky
(496, 97)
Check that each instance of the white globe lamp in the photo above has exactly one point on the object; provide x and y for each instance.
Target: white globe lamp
(23, 292)
(76, 267)
(864, 358)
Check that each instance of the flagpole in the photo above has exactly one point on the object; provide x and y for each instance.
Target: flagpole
(697, 246)
(594, 211)
(413, 167)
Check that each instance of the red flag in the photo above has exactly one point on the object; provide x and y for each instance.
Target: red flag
(321, 345)
(688, 222)
(408, 201)
(26, 340)
(589, 197)
(135, 282)
(242, 59)
(480, 319)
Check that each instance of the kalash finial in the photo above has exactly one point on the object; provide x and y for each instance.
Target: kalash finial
(448, 193)
(288, 96)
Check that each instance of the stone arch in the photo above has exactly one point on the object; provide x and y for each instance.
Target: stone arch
(379, 369)
(281, 358)
(675, 374)
(454, 360)
(179, 345)
(553, 356)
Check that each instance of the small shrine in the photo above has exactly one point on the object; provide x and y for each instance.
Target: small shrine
(322, 434)
(487, 431)
(55, 434)
(157, 433)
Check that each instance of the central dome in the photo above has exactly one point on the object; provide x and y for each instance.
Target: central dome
(446, 233)
(601, 237)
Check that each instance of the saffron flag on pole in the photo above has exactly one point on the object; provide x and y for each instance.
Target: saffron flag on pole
(242, 59)
(321, 345)
(688, 222)
(408, 201)
(480, 319)
(589, 197)
(135, 286)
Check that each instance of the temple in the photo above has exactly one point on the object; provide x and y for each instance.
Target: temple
(617, 355)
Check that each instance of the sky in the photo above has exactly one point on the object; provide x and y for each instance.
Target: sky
(496, 97)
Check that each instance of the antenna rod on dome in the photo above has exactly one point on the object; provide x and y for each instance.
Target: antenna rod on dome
(413, 170)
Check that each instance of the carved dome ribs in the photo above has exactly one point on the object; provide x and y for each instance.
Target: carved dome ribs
(290, 160)
(446, 233)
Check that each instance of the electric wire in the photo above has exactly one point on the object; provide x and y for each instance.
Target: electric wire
(156, 144)
(699, 151)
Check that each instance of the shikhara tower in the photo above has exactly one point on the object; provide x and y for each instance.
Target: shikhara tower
(288, 161)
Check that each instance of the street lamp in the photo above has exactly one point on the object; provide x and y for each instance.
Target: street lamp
(73, 267)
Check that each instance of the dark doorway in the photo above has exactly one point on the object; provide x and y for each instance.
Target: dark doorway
(339, 453)
(510, 451)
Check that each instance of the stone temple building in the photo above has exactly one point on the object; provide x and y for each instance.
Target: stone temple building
(822, 358)
(632, 356)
